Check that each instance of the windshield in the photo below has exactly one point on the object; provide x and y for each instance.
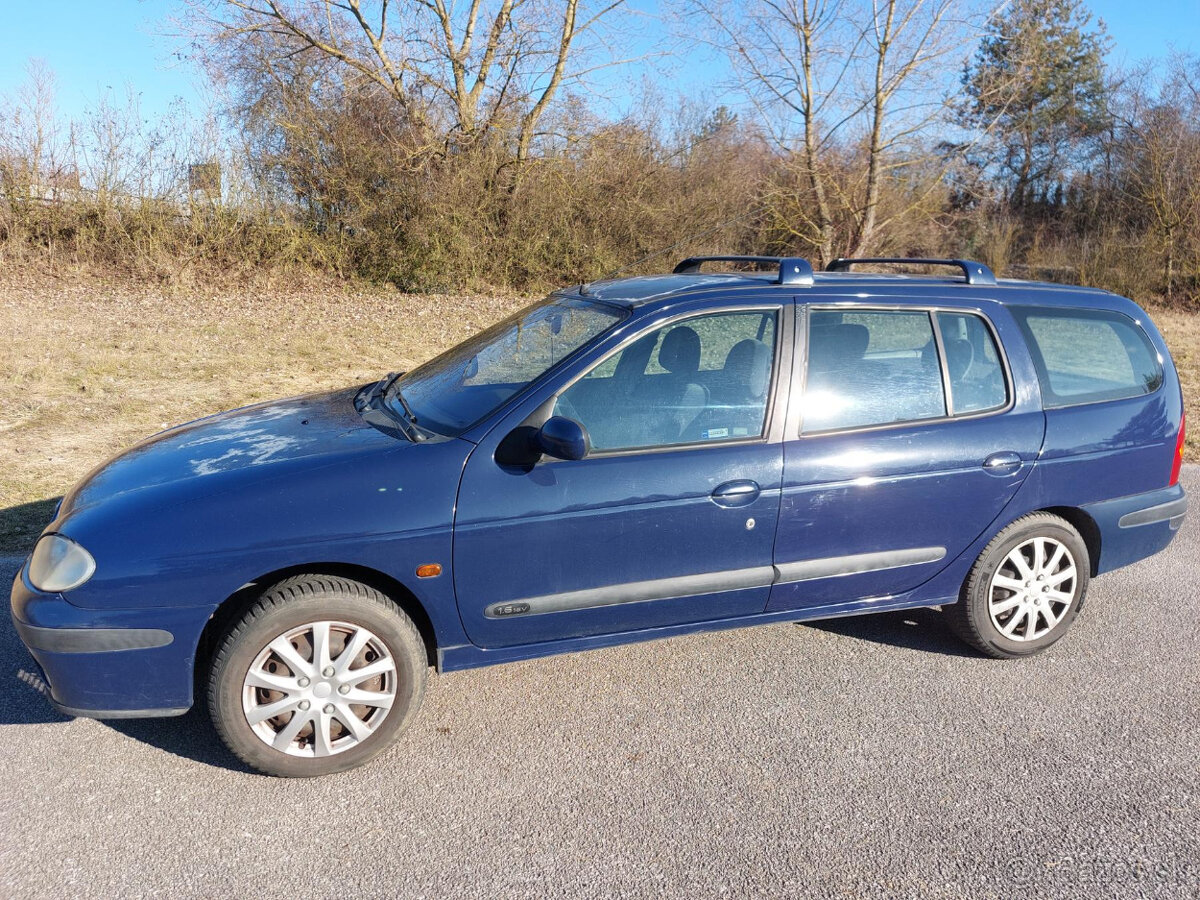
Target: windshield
(452, 392)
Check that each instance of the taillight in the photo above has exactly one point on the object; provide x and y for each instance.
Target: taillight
(1178, 451)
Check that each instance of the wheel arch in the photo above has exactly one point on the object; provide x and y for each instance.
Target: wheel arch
(1087, 528)
(240, 600)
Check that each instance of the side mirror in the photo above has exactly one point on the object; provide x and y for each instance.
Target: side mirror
(563, 438)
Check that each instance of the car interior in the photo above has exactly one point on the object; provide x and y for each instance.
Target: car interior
(879, 367)
(693, 382)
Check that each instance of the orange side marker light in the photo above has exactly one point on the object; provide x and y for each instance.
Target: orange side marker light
(429, 570)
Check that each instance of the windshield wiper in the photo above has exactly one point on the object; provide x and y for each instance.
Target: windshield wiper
(399, 395)
(412, 416)
(385, 384)
(375, 409)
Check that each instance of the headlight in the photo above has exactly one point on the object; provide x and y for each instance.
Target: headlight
(59, 564)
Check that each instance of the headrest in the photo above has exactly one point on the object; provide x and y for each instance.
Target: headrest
(680, 351)
(959, 354)
(749, 364)
(838, 343)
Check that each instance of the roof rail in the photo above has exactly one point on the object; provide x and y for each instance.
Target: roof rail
(975, 272)
(792, 270)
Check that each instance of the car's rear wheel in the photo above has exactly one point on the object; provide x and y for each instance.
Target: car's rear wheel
(1025, 588)
(320, 675)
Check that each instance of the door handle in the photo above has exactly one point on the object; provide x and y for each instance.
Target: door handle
(1002, 463)
(736, 493)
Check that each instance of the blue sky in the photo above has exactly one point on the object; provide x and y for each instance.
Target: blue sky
(92, 45)
(96, 44)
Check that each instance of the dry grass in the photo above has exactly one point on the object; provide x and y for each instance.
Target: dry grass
(93, 366)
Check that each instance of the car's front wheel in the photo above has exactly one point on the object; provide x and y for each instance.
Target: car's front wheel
(1025, 588)
(320, 675)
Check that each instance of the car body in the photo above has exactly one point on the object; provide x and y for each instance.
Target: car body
(755, 448)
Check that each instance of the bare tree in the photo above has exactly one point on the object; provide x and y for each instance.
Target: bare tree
(847, 88)
(34, 149)
(459, 72)
(1157, 148)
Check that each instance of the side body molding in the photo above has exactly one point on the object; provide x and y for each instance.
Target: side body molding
(834, 566)
(640, 591)
(715, 582)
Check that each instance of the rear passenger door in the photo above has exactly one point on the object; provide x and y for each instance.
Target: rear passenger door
(907, 441)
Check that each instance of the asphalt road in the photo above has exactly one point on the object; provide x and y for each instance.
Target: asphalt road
(867, 757)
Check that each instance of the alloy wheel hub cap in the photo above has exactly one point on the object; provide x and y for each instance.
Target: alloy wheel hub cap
(1032, 589)
(319, 689)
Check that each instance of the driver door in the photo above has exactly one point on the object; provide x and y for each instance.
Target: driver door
(669, 519)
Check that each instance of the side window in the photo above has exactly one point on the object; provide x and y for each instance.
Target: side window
(703, 379)
(871, 367)
(973, 364)
(1083, 356)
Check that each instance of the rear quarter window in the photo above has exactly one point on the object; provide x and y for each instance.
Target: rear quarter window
(1087, 356)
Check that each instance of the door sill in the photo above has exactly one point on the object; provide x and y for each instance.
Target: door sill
(469, 656)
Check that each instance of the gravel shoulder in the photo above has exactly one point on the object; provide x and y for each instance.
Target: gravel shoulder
(866, 757)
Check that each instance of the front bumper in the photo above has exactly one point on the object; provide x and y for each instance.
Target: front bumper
(111, 663)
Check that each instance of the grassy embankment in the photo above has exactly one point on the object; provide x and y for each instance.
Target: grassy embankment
(91, 366)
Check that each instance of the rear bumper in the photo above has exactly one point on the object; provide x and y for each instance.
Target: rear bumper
(112, 663)
(1172, 512)
(1140, 525)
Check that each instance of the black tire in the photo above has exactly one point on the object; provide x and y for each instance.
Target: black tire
(971, 617)
(286, 609)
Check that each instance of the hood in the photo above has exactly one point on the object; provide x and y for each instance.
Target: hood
(263, 439)
(223, 500)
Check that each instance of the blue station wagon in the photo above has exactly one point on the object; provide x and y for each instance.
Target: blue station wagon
(625, 460)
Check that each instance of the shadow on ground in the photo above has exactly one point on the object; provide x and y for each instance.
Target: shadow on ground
(21, 524)
(190, 736)
(925, 630)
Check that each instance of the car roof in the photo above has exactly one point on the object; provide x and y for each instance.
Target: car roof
(646, 290)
